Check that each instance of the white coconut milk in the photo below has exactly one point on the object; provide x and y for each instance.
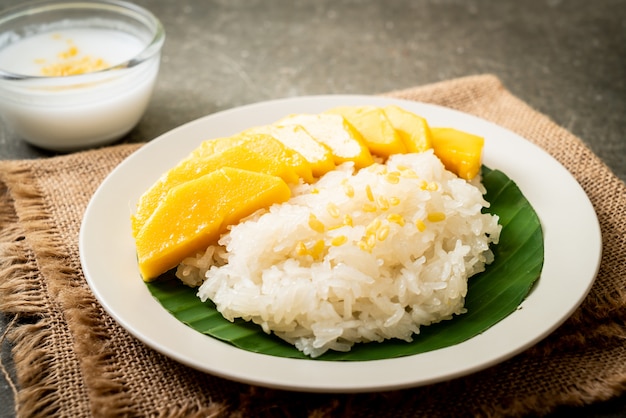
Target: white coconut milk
(72, 103)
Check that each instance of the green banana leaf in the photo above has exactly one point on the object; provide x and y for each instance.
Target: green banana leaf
(492, 294)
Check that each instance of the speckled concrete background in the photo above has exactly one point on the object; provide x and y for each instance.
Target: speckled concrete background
(566, 58)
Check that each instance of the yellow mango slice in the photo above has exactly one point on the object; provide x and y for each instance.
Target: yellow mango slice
(413, 129)
(343, 140)
(258, 152)
(212, 146)
(285, 161)
(297, 138)
(194, 214)
(377, 130)
(460, 152)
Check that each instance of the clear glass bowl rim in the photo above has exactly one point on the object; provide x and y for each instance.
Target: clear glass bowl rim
(123, 7)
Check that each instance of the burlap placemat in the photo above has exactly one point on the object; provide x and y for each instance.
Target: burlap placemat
(73, 360)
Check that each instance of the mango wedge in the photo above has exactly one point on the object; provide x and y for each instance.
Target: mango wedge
(343, 140)
(248, 147)
(297, 138)
(213, 146)
(194, 214)
(377, 131)
(261, 153)
(413, 129)
(459, 151)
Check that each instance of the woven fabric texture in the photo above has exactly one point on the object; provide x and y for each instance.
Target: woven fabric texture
(73, 360)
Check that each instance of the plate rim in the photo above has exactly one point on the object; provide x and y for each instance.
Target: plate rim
(294, 372)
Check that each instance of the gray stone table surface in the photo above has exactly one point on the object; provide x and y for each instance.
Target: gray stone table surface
(565, 58)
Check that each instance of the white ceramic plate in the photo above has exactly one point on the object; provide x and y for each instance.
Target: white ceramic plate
(572, 257)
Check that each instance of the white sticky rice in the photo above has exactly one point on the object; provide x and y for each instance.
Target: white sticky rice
(356, 257)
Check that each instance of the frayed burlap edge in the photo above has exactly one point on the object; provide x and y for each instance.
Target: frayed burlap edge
(83, 306)
(43, 288)
(39, 286)
(21, 295)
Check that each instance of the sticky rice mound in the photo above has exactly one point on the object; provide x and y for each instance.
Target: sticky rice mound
(358, 256)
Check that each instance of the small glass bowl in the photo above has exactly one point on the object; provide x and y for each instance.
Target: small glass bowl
(63, 112)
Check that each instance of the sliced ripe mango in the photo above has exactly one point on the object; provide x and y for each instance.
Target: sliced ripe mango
(265, 154)
(413, 129)
(194, 214)
(298, 139)
(212, 146)
(259, 143)
(460, 152)
(343, 140)
(373, 124)
(255, 152)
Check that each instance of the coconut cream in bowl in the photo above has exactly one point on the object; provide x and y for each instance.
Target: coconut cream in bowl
(76, 74)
